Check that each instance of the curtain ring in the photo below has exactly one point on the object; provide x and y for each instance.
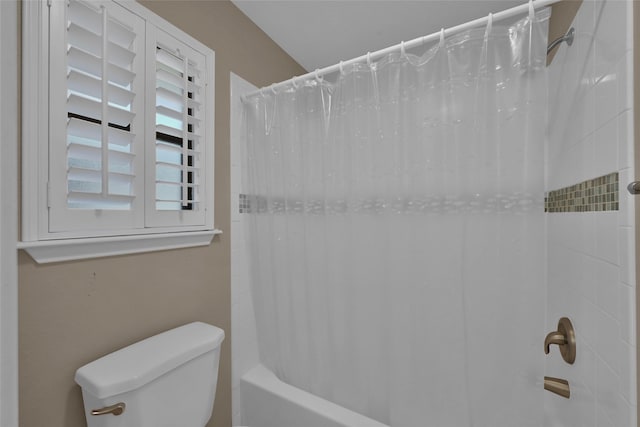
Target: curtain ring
(273, 88)
(316, 73)
(489, 24)
(341, 68)
(532, 12)
(403, 54)
(369, 59)
(441, 37)
(293, 81)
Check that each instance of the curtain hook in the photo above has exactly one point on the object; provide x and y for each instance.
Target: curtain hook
(293, 81)
(369, 59)
(441, 37)
(317, 75)
(403, 53)
(262, 93)
(489, 24)
(273, 88)
(532, 12)
(341, 68)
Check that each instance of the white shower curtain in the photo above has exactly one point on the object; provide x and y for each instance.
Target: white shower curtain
(397, 231)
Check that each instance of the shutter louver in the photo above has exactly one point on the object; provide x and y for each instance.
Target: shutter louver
(178, 113)
(100, 95)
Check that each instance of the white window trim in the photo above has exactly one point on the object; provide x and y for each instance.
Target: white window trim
(46, 251)
(8, 215)
(47, 247)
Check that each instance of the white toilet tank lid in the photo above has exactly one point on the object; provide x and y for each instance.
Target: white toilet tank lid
(140, 363)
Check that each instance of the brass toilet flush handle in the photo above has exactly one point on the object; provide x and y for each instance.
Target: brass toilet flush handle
(116, 409)
(564, 338)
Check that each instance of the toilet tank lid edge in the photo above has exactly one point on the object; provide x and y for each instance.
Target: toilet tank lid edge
(142, 362)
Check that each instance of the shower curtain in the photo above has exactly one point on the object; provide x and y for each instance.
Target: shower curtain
(396, 230)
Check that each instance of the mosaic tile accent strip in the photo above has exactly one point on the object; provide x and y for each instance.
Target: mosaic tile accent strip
(515, 203)
(244, 205)
(594, 195)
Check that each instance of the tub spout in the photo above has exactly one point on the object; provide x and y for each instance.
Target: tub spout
(557, 386)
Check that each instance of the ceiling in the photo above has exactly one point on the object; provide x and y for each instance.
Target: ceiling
(319, 33)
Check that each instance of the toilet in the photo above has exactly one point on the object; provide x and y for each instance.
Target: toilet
(167, 380)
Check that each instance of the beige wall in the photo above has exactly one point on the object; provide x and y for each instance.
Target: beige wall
(562, 15)
(71, 313)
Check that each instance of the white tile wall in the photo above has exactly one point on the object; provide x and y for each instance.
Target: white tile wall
(244, 347)
(591, 267)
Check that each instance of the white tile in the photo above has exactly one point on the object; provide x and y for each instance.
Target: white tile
(236, 172)
(625, 140)
(588, 327)
(583, 43)
(588, 120)
(628, 372)
(606, 94)
(586, 365)
(611, 33)
(559, 276)
(607, 292)
(607, 236)
(582, 110)
(235, 403)
(569, 235)
(627, 296)
(624, 82)
(589, 240)
(626, 212)
(237, 235)
(603, 420)
(605, 145)
(556, 89)
(626, 243)
(239, 263)
(235, 208)
(629, 24)
(589, 273)
(624, 415)
(608, 343)
(585, 152)
(607, 396)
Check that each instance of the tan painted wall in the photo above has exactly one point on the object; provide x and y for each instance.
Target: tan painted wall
(71, 313)
(562, 15)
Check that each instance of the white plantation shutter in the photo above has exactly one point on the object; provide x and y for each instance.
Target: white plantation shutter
(176, 157)
(100, 167)
(123, 143)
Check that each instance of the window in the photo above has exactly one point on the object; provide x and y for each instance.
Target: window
(121, 143)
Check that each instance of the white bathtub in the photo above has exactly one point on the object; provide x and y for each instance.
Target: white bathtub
(269, 402)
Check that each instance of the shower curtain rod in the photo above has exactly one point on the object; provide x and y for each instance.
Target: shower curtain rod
(508, 13)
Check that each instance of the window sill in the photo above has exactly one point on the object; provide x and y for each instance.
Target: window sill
(47, 251)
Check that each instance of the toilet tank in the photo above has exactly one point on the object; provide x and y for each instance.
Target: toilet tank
(167, 380)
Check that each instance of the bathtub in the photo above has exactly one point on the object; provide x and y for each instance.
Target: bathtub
(269, 402)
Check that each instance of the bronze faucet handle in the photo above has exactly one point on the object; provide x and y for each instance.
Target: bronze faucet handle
(564, 338)
(554, 338)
